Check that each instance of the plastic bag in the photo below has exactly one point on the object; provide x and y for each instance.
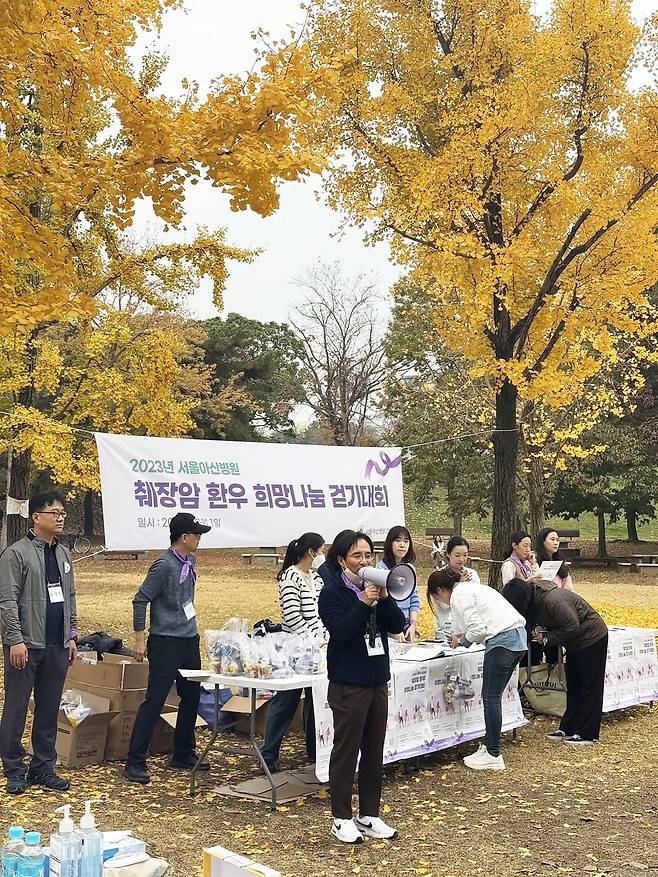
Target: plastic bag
(74, 707)
(225, 647)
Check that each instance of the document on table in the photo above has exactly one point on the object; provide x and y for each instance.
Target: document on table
(425, 652)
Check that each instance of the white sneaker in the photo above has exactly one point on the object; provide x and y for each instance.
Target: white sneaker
(373, 826)
(577, 740)
(346, 831)
(481, 748)
(481, 760)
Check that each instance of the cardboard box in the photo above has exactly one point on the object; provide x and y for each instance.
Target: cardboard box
(85, 742)
(220, 862)
(118, 735)
(242, 706)
(162, 741)
(119, 678)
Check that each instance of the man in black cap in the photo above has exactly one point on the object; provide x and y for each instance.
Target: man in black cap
(173, 644)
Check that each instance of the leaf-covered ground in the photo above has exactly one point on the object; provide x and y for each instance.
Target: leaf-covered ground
(554, 811)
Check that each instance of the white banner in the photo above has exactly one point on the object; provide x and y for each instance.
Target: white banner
(250, 493)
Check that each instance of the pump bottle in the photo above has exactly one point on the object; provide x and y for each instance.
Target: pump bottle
(64, 846)
(91, 856)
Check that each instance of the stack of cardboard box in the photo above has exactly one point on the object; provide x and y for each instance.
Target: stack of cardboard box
(122, 681)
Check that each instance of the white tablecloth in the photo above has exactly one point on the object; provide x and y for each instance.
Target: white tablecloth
(421, 718)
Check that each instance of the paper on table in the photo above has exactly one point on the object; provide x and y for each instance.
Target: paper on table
(195, 674)
(549, 569)
(424, 652)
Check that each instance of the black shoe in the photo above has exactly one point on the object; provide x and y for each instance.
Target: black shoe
(136, 774)
(49, 781)
(188, 763)
(16, 785)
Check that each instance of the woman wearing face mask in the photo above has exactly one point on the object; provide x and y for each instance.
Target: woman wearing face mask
(486, 617)
(398, 548)
(299, 589)
(359, 618)
(457, 560)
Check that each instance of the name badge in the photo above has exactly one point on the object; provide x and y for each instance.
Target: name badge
(189, 610)
(55, 594)
(377, 649)
(67, 567)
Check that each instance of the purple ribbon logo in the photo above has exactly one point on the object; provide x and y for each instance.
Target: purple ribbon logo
(387, 464)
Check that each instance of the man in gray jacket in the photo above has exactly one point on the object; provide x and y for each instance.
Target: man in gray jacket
(39, 632)
(173, 644)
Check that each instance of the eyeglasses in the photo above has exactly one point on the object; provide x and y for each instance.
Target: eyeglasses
(57, 514)
(361, 556)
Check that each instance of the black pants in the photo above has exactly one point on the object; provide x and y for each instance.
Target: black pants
(44, 673)
(359, 724)
(282, 711)
(166, 655)
(585, 674)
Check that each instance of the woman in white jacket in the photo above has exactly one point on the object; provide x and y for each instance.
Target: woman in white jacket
(482, 615)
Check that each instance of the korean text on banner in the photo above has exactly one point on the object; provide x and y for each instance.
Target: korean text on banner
(250, 493)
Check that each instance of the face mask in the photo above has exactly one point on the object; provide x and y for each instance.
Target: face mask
(318, 560)
(444, 605)
(352, 576)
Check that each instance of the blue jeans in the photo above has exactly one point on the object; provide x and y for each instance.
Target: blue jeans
(499, 664)
(282, 711)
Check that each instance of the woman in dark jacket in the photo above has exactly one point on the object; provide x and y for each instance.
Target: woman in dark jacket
(563, 618)
(359, 618)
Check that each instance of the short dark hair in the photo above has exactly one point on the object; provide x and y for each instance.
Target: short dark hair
(40, 501)
(387, 554)
(344, 541)
(516, 537)
(455, 542)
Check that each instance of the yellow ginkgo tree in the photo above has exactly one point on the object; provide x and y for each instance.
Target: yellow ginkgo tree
(514, 170)
(85, 132)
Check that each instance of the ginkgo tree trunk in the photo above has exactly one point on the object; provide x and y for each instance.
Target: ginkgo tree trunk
(514, 171)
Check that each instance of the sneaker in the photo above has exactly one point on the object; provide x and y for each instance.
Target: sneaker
(136, 774)
(556, 735)
(16, 785)
(49, 781)
(188, 763)
(373, 826)
(346, 831)
(482, 760)
(577, 740)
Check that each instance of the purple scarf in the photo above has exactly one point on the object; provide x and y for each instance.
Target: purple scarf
(524, 569)
(188, 567)
(350, 584)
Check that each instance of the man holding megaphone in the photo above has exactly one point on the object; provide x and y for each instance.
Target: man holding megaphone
(359, 612)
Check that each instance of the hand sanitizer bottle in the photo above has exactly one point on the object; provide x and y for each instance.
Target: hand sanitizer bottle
(64, 847)
(11, 852)
(30, 863)
(91, 859)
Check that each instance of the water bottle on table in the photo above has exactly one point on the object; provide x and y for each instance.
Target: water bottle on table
(30, 863)
(11, 852)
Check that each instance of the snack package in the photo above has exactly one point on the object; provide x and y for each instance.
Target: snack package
(74, 707)
(224, 647)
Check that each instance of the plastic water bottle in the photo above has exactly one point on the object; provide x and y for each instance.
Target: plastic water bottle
(91, 853)
(11, 851)
(30, 863)
(64, 847)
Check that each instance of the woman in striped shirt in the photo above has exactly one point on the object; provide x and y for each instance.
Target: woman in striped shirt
(299, 587)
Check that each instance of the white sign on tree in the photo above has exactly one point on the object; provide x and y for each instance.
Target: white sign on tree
(250, 493)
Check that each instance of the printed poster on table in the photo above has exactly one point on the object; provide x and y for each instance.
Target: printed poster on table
(622, 645)
(469, 692)
(410, 712)
(250, 493)
(647, 664)
(443, 707)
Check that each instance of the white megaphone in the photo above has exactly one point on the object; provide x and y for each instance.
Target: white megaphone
(399, 581)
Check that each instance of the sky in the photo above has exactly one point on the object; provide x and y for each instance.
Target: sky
(211, 37)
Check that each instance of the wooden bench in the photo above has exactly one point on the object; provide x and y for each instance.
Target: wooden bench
(440, 531)
(565, 537)
(121, 555)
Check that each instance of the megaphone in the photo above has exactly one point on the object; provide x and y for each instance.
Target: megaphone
(399, 581)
